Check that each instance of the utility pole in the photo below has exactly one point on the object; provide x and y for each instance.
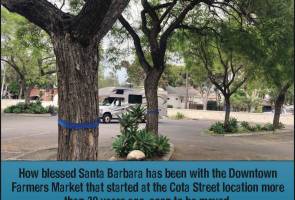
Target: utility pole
(186, 87)
(3, 81)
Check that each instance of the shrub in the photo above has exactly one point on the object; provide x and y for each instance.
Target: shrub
(137, 112)
(245, 125)
(146, 142)
(248, 127)
(163, 145)
(121, 145)
(232, 126)
(267, 127)
(133, 139)
(127, 123)
(217, 128)
(258, 127)
(34, 108)
(179, 116)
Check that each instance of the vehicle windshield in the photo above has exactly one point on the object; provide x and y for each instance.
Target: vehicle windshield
(108, 101)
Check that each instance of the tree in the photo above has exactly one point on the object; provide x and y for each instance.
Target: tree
(276, 27)
(25, 50)
(227, 56)
(75, 39)
(158, 21)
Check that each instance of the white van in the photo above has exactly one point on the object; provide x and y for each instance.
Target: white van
(116, 100)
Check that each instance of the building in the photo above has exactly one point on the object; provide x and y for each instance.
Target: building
(177, 97)
(43, 94)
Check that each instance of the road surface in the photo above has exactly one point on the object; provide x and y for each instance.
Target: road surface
(35, 137)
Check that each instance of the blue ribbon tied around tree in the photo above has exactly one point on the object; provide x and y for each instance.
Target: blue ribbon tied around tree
(70, 125)
(153, 112)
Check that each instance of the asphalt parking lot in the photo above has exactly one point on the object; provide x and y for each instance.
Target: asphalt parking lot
(35, 137)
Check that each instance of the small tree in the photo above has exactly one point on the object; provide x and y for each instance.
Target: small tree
(158, 21)
(225, 59)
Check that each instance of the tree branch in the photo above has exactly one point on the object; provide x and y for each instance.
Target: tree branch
(14, 66)
(176, 22)
(41, 69)
(137, 44)
(62, 5)
(40, 12)
(95, 19)
(237, 86)
(209, 71)
(168, 10)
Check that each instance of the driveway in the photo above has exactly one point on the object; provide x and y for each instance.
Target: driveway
(35, 137)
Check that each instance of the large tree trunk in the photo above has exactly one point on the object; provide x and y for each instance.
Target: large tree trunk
(227, 111)
(279, 102)
(77, 72)
(151, 92)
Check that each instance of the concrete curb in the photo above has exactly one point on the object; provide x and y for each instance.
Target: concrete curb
(166, 157)
(29, 114)
(253, 133)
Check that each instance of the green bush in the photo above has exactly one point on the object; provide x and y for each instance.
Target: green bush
(34, 108)
(232, 126)
(163, 145)
(133, 139)
(217, 128)
(145, 142)
(258, 127)
(245, 125)
(248, 127)
(179, 116)
(121, 145)
(235, 127)
(267, 127)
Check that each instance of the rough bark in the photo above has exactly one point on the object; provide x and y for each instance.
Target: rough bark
(227, 111)
(77, 74)
(279, 102)
(151, 92)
